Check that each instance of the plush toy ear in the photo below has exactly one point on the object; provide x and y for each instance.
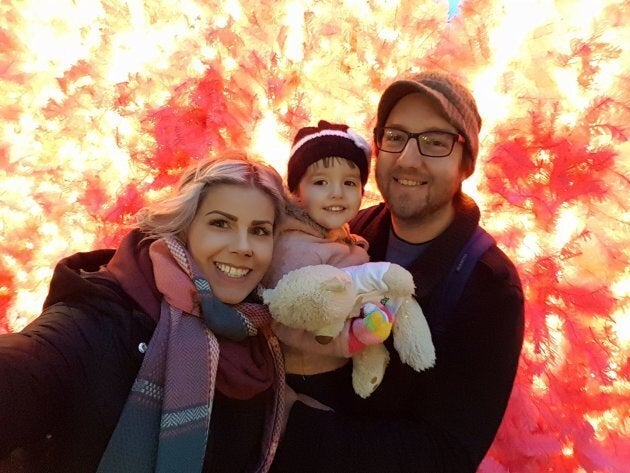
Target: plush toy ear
(336, 284)
(412, 336)
(399, 281)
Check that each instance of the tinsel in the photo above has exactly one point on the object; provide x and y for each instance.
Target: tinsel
(104, 101)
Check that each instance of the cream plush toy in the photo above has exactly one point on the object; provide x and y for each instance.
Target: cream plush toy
(320, 298)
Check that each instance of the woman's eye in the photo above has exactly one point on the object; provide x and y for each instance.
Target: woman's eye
(261, 231)
(219, 223)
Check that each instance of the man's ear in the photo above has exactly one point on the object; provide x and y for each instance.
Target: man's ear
(467, 166)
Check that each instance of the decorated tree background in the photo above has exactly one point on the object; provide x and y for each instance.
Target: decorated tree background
(104, 101)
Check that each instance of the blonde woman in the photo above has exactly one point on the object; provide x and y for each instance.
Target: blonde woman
(156, 356)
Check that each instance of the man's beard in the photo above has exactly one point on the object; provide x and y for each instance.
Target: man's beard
(410, 213)
(413, 214)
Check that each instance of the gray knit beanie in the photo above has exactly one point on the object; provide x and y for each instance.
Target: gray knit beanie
(455, 101)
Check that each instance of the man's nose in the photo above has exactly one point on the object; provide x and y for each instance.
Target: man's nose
(410, 155)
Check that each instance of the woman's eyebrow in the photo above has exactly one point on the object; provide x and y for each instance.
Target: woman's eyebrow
(234, 218)
(262, 222)
(225, 214)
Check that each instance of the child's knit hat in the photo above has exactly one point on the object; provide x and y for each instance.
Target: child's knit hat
(326, 140)
(455, 101)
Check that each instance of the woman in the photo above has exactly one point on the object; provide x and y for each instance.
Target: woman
(137, 363)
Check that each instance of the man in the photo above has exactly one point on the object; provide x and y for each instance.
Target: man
(445, 418)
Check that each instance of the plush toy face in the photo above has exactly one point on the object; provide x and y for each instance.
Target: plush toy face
(314, 298)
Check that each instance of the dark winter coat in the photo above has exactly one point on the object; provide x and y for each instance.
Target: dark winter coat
(65, 378)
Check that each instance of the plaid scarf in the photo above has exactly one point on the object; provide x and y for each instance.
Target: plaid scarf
(165, 422)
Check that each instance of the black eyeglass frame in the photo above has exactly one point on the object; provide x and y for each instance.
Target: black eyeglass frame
(380, 132)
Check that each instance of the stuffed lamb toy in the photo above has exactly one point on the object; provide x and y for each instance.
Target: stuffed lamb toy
(320, 298)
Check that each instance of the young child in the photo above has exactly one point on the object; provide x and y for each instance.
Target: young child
(327, 171)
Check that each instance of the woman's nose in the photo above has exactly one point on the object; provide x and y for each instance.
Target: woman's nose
(242, 244)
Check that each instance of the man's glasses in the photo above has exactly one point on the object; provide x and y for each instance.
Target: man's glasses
(435, 144)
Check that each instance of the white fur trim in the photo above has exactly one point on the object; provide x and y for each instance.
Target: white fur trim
(360, 142)
(350, 135)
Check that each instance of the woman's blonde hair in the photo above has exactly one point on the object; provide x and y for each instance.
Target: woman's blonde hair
(172, 217)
